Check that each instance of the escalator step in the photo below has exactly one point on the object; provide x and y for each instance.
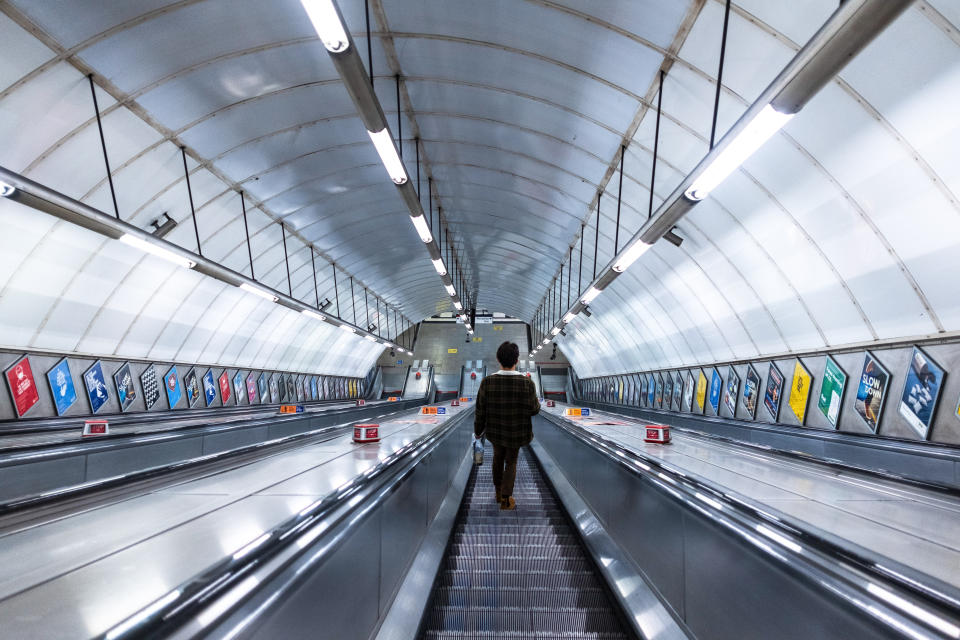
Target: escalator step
(517, 574)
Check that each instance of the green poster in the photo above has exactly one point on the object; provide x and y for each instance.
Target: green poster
(831, 391)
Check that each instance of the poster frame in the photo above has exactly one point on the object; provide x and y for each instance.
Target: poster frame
(224, 374)
(251, 381)
(128, 401)
(843, 390)
(96, 363)
(678, 391)
(883, 396)
(751, 369)
(806, 405)
(732, 375)
(701, 402)
(180, 389)
(53, 396)
(688, 389)
(238, 389)
(191, 373)
(774, 412)
(925, 435)
(209, 399)
(157, 380)
(716, 383)
(667, 397)
(263, 388)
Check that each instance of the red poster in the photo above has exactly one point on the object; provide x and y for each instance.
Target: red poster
(224, 387)
(23, 388)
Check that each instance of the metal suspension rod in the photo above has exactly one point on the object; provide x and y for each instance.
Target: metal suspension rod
(616, 235)
(246, 228)
(336, 291)
(316, 290)
(286, 259)
(366, 307)
(193, 212)
(366, 11)
(399, 120)
(580, 264)
(656, 144)
(723, 51)
(353, 301)
(596, 238)
(103, 145)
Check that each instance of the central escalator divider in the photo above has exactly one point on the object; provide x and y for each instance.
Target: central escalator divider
(518, 574)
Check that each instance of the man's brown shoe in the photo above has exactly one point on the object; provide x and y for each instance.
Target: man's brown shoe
(508, 504)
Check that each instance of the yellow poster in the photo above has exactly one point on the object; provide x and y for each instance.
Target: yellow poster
(477, 339)
(800, 391)
(451, 350)
(701, 390)
(498, 327)
(620, 392)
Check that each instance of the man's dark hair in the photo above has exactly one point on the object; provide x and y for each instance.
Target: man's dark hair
(507, 354)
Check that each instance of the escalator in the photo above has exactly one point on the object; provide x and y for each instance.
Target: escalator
(518, 574)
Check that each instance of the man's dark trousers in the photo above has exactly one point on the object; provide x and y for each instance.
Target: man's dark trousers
(504, 469)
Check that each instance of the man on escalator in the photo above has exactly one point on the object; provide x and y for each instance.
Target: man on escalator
(506, 402)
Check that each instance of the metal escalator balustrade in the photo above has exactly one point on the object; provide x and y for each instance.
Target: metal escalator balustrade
(518, 574)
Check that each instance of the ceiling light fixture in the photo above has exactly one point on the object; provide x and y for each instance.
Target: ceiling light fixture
(257, 291)
(155, 249)
(383, 141)
(589, 295)
(6, 190)
(458, 305)
(570, 316)
(420, 222)
(347, 328)
(628, 257)
(313, 314)
(326, 20)
(450, 289)
(748, 140)
(439, 266)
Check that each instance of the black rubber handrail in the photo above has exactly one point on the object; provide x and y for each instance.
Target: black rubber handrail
(185, 601)
(824, 563)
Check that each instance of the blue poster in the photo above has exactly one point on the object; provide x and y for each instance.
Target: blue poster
(313, 388)
(715, 387)
(61, 385)
(171, 382)
(209, 387)
(262, 387)
(237, 387)
(96, 387)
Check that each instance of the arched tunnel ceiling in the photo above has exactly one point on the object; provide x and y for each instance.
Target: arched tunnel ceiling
(843, 228)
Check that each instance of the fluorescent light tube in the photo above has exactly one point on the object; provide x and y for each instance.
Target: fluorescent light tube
(327, 23)
(439, 266)
(630, 256)
(387, 344)
(6, 190)
(470, 331)
(313, 314)
(370, 338)
(257, 291)
(555, 330)
(155, 249)
(569, 317)
(751, 138)
(450, 289)
(348, 329)
(420, 223)
(457, 305)
(388, 154)
(589, 295)
(546, 341)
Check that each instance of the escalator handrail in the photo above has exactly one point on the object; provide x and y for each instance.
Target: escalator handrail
(33, 453)
(862, 583)
(313, 523)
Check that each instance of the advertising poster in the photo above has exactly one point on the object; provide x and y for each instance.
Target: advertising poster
(23, 387)
(751, 391)
(800, 391)
(277, 381)
(326, 388)
(871, 392)
(701, 390)
(237, 387)
(314, 393)
(651, 391)
(774, 392)
(667, 391)
(643, 390)
(300, 388)
(731, 390)
(209, 387)
(716, 386)
(191, 383)
(151, 386)
(831, 391)
(678, 391)
(62, 387)
(251, 388)
(224, 381)
(291, 388)
(262, 388)
(126, 391)
(96, 385)
(921, 391)
(658, 399)
(688, 393)
(274, 389)
(171, 382)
